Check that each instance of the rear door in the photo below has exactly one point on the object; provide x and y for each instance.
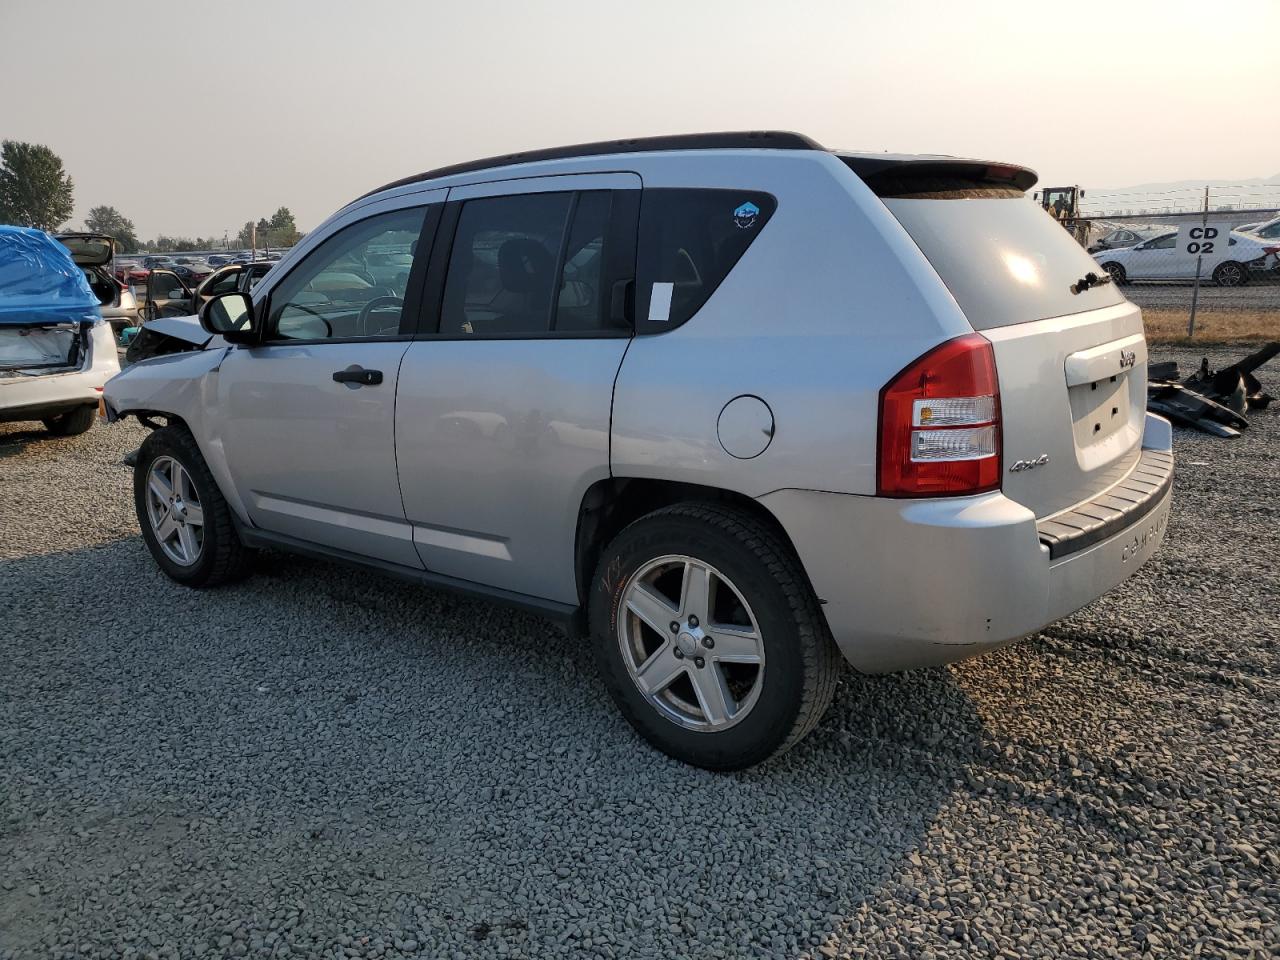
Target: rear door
(502, 417)
(307, 420)
(167, 296)
(1071, 362)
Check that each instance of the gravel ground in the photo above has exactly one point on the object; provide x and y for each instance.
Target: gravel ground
(323, 763)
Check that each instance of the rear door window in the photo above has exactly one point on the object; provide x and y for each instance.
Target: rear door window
(690, 239)
(534, 264)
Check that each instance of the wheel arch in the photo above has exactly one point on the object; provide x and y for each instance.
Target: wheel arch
(155, 418)
(611, 504)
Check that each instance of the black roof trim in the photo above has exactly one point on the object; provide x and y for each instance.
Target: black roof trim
(749, 139)
(888, 174)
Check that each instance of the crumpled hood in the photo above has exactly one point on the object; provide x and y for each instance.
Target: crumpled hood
(183, 328)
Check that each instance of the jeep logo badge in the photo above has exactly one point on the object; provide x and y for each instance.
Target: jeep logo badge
(1022, 465)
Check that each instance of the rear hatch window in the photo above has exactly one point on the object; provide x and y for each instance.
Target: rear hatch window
(1002, 257)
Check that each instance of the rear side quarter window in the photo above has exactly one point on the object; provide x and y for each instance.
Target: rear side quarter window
(689, 241)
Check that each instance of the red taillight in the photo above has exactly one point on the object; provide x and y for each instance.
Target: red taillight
(940, 423)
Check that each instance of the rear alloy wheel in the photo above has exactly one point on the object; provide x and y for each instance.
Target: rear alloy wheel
(1116, 272)
(70, 424)
(701, 671)
(1230, 274)
(709, 637)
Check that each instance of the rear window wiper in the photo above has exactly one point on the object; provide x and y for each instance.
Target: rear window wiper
(1090, 279)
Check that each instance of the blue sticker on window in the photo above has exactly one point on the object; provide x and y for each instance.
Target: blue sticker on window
(745, 216)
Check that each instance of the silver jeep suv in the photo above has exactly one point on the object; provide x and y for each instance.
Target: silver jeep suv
(734, 405)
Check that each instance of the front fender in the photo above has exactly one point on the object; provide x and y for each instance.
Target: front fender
(181, 385)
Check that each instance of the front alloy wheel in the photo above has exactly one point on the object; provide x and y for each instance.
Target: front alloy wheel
(174, 510)
(691, 644)
(185, 520)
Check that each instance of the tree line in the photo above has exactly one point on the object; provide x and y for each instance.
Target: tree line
(36, 191)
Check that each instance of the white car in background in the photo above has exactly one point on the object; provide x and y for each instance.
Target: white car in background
(1267, 230)
(56, 350)
(1248, 257)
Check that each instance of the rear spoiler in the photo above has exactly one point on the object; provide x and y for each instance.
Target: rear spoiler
(890, 176)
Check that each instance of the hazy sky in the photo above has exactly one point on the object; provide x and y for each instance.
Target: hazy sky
(192, 117)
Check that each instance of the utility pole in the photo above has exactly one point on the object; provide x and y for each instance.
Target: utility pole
(1195, 291)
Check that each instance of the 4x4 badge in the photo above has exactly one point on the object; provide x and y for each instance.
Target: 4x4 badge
(745, 215)
(1021, 465)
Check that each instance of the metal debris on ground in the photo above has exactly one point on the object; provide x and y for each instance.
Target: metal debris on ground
(1209, 400)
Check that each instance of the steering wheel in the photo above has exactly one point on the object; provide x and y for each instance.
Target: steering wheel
(328, 327)
(362, 321)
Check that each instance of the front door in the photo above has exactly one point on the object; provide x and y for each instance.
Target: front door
(502, 419)
(308, 428)
(223, 280)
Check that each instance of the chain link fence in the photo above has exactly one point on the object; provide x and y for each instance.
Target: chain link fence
(1204, 265)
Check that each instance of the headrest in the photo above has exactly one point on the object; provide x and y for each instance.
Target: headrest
(524, 266)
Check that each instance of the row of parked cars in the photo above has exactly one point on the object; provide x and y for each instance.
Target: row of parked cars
(131, 290)
(1145, 253)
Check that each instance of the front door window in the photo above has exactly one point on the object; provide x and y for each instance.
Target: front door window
(351, 286)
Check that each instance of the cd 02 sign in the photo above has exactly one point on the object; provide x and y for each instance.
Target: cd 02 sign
(1207, 240)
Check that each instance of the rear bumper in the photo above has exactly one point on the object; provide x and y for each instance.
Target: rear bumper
(38, 397)
(918, 583)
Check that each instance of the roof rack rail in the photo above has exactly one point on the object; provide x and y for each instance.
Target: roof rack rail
(736, 140)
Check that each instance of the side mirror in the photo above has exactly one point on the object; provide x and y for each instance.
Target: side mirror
(231, 317)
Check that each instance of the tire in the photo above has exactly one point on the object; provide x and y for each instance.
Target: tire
(71, 424)
(219, 556)
(1118, 276)
(778, 701)
(1230, 274)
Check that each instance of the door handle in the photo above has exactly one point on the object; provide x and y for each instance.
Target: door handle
(357, 376)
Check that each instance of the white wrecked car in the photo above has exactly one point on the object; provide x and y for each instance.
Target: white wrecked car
(56, 351)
